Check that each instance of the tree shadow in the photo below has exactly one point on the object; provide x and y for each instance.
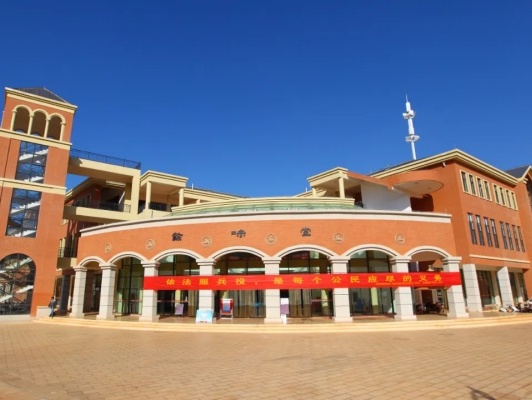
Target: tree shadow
(479, 394)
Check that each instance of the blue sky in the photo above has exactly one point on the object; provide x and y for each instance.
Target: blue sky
(252, 97)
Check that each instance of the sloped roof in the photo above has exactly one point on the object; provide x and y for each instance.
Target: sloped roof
(455, 154)
(43, 92)
(518, 172)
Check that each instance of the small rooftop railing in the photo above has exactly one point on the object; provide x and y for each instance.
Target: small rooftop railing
(266, 205)
(105, 159)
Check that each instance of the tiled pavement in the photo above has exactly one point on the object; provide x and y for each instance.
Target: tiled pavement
(55, 360)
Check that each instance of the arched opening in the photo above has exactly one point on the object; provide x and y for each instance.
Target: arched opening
(54, 128)
(306, 303)
(177, 302)
(93, 285)
(246, 303)
(17, 275)
(429, 300)
(22, 120)
(38, 126)
(129, 286)
(370, 301)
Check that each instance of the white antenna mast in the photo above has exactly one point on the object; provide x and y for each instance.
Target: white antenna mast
(412, 137)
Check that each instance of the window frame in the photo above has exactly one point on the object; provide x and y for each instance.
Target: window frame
(509, 233)
(479, 229)
(27, 218)
(514, 200)
(487, 190)
(480, 189)
(472, 228)
(521, 239)
(472, 184)
(503, 234)
(494, 231)
(465, 186)
(514, 230)
(488, 233)
(497, 200)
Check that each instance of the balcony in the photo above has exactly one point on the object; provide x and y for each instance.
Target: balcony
(98, 212)
(68, 252)
(102, 205)
(87, 155)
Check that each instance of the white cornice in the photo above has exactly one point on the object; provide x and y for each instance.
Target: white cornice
(455, 154)
(40, 187)
(35, 139)
(500, 259)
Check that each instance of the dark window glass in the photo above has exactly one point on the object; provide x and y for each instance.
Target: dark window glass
(485, 286)
(472, 228)
(503, 233)
(16, 284)
(24, 213)
(487, 187)
(510, 242)
(31, 162)
(464, 182)
(521, 238)
(479, 227)
(480, 189)
(494, 231)
(514, 229)
(472, 184)
(488, 233)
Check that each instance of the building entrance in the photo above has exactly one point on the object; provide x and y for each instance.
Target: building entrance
(246, 303)
(307, 303)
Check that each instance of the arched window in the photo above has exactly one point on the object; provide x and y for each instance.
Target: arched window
(38, 126)
(17, 274)
(370, 300)
(22, 120)
(54, 128)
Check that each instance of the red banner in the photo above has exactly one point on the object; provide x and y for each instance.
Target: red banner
(303, 281)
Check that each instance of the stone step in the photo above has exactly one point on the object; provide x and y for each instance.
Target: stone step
(357, 326)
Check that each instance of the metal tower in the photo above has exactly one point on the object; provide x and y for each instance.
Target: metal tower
(412, 137)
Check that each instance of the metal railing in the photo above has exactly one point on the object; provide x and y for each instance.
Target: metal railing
(157, 206)
(105, 159)
(102, 205)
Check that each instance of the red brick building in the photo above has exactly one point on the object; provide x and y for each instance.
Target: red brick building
(447, 234)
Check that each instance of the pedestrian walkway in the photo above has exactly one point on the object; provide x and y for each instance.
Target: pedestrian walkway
(53, 359)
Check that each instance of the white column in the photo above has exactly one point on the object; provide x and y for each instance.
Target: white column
(62, 130)
(455, 295)
(46, 127)
(107, 292)
(79, 292)
(474, 303)
(181, 197)
(206, 297)
(503, 277)
(404, 309)
(148, 195)
(13, 118)
(273, 296)
(30, 124)
(342, 312)
(341, 187)
(149, 297)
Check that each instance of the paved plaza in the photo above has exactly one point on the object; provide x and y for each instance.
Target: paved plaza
(54, 360)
